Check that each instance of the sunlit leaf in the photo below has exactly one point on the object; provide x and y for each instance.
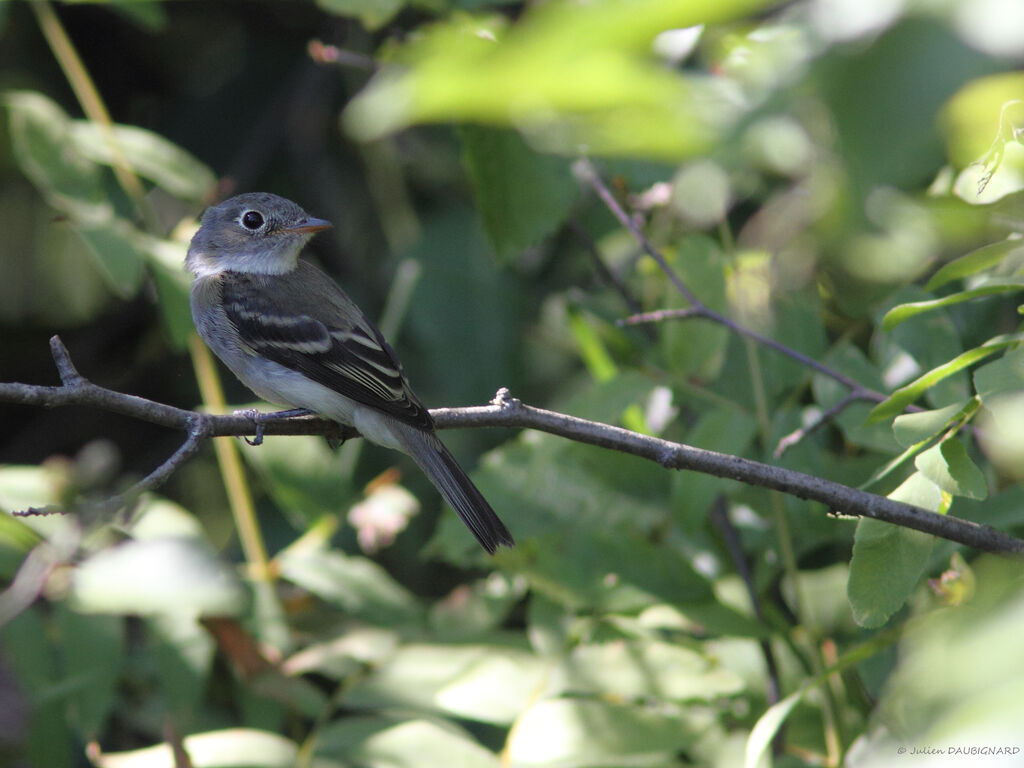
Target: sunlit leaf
(157, 576)
(897, 315)
(600, 87)
(976, 261)
(641, 670)
(214, 749)
(907, 394)
(573, 733)
(356, 584)
(491, 684)
(380, 742)
(949, 467)
(147, 154)
(912, 428)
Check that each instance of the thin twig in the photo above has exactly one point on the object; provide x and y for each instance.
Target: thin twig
(605, 272)
(505, 411)
(585, 170)
(823, 418)
(720, 519)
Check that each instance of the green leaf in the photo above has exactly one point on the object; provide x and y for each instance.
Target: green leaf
(372, 13)
(769, 723)
(574, 733)
(949, 467)
(1005, 375)
(485, 683)
(214, 749)
(888, 560)
(976, 261)
(645, 670)
(913, 428)
(379, 742)
(356, 584)
(183, 652)
(592, 349)
(903, 312)
(92, 649)
(157, 576)
(907, 394)
(849, 360)
(147, 154)
(40, 139)
(599, 87)
(27, 641)
(304, 476)
(112, 243)
(522, 195)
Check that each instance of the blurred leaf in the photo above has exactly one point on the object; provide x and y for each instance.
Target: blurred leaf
(971, 118)
(379, 742)
(147, 154)
(490, 684)
(183, 651)
(1005, 375)
(885, 97)
(93, 653)
(28, 641)
(356, 584)
(304, 476)
(478, 607)
(693, 347)
(976, 261)
(522, 195)
(593, 351)
(638, 671)
(374, 14)
(157, 576)
(112, 245)
(907, 394)
(573, 733)
(231, 748)
(897, 315)
(913, 428)
(40, 138)
(949, 467)
(959, 674)
(769, 723)
(888, 560)
(599, 87)
(172, 287)
(849, 360)
(607, 571)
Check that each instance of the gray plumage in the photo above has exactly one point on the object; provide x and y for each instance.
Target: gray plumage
(295, 338)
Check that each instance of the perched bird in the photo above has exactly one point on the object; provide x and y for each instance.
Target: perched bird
(295, 338)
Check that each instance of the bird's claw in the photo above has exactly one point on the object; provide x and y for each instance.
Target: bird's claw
(257, 418)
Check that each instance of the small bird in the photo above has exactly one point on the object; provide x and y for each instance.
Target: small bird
(295, 338)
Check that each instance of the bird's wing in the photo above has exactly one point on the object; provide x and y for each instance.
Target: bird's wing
(312, 327)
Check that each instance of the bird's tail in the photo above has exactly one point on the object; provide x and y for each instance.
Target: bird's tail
(437, 462)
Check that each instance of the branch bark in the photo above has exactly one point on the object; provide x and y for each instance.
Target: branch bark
(506, 411)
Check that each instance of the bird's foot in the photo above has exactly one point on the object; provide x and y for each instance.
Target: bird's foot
(260, 418)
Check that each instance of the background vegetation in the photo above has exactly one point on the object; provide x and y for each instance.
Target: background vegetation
(841, 176)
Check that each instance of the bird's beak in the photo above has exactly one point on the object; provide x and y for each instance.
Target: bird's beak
(309, 225)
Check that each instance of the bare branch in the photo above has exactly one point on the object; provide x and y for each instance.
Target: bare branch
(505, 411)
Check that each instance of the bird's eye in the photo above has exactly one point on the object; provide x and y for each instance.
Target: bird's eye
(252, 220)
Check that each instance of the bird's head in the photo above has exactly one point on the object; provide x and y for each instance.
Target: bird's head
(256, 232)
